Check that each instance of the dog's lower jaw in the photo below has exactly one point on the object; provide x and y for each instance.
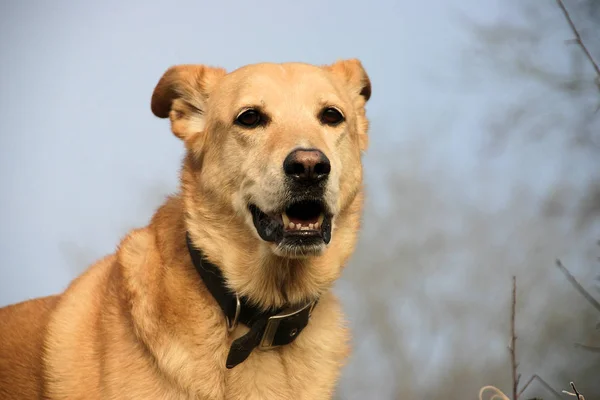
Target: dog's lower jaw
(297, 253)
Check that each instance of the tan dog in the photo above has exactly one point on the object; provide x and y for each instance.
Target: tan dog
(270, 201)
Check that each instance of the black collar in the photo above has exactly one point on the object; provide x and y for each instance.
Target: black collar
(268, 328)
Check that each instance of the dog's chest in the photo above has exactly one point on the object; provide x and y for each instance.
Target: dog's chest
(290, 372)
(307, 368)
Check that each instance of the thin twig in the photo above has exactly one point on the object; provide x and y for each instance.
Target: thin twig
(579, 396)
(544, 383)
(578, 36)
(496, 393)
(576, 394)
(513, 340)
(593, 349)
(577, 286)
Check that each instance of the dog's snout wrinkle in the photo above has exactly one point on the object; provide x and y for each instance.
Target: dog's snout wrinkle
(307, 165)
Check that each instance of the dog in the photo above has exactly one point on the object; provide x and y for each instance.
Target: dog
(226, 294)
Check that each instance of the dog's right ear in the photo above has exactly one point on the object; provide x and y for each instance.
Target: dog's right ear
(182, 94)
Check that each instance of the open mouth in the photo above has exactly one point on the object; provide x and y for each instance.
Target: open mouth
(302, 224)
(303, 216)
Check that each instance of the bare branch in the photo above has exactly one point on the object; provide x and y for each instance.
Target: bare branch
(577, 286)
(496, 393)
(578, 38)
(513, 340)
(544, 383)
(593, 349)
(576, 394)
(579, 396)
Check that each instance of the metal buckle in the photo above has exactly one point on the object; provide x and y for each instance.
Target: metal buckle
(238, 306)
(273, 323)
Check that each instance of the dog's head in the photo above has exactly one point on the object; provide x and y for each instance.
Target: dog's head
(277, 145)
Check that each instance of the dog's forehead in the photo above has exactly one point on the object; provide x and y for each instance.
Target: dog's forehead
(269, 82)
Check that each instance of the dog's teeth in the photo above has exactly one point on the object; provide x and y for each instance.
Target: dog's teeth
(291, 225)
(286, 220)
(304, 228)
(321, 218)
(317, 225)
(311, 226)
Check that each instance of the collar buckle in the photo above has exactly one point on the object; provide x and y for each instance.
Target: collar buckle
(231, 325)
(283, 328)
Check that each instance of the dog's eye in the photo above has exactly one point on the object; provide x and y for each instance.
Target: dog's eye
(249, 118)
(331, 116)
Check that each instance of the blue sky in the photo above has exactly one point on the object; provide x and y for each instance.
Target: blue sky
(80, 147)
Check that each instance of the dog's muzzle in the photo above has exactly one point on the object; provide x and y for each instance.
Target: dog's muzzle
(305, 221)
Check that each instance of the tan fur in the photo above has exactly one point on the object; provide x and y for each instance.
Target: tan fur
(140, 324)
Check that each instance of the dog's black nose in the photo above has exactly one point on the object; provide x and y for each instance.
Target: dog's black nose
(308, 166)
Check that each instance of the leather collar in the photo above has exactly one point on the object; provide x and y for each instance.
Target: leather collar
(268, 328)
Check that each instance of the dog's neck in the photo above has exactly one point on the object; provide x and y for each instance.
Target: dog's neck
(249, 267)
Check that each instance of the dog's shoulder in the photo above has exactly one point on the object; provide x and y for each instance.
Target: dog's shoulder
(103, 286)
(137, 251)
(21, 339)
(71, 339)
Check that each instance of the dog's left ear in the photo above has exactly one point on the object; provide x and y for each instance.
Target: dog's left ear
(354, 76)
(182, 95)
